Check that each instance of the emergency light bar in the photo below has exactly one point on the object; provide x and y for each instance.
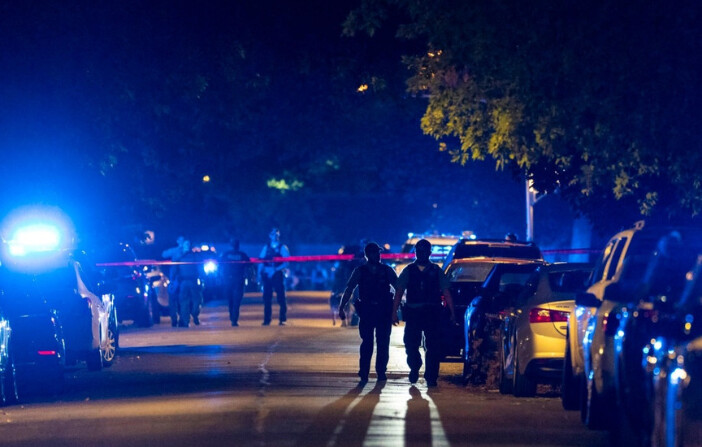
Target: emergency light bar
(34, 238)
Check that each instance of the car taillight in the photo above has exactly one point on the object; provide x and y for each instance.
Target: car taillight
(541, 315)
(46, 352)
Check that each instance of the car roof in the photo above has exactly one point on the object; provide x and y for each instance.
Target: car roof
(500, 260)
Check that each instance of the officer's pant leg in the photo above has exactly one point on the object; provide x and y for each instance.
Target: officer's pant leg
(382, 335)
(184, 303)
(413, 340)
(196, 301)
(280, 296)
(365, 330)
(267, 300)
(173, 306)
(235, 299)
(432, 334)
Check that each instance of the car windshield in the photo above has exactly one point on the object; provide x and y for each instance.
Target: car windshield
(497, 251)
(469, 272)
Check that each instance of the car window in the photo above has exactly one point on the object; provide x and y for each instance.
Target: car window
(614, 262)
(469, 272)
(513, 278)
(601, 263)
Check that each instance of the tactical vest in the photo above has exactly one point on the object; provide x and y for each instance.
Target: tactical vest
(373, 285)
(424, 286)
(272, 253)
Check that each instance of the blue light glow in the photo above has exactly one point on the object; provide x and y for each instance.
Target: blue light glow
(34, 238)
(210, 267)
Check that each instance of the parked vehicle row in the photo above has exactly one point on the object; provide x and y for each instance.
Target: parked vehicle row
(633, 346)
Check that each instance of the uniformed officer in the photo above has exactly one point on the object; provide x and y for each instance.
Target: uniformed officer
(424, 282)
(374, 308)
(236, 264)
(190, 292)
(271, 275)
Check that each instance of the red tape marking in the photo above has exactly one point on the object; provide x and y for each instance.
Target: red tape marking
(311, 258)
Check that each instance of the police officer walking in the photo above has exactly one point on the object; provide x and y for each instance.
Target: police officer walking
(424, 282)
(374, 308)
(236, 264)
(271, 275)
(189, 291)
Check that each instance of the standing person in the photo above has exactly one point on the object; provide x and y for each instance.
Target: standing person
(271, 275)
(236, 264)
(190, 293)
(424, 282)
(174, 254)
(374, 307)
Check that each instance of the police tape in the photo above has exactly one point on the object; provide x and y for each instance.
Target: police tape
(313, 258)
(318, 258)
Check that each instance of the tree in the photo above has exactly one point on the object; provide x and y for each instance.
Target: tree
(595, 100)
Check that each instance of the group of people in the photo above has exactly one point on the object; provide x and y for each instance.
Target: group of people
(380, 296)
(186, 292)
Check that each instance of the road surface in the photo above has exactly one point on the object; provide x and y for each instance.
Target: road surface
(217, 385)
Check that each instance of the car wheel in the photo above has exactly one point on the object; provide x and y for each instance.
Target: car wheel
(9, 383)
(505, 383)
(110, 350)
(523, 385)
(94, 360)
(569, 383)
(146, 316)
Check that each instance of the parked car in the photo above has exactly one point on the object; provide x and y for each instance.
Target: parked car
(532, 344)
(592, 326)
(492, 248)
(651, 307)
(160, 297)
(466, 277)
(131, 287)
(61, 313)
(673, 368)
(482, 317)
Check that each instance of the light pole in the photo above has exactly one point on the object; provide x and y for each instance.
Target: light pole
(531, 200)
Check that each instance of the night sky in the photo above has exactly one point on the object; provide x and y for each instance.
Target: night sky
(114, 111)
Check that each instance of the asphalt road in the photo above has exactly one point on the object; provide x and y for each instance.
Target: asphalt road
(215, 385)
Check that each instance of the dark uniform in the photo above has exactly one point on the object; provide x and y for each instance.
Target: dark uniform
(273, 278)
(235, 263)
(374, 308)
(425, 284)
(189, 291)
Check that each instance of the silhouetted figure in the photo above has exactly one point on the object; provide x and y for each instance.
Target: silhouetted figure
(374, 308)
(174, 254)
(235, 264)
(271, 276)
(190, 292)
(424, 282)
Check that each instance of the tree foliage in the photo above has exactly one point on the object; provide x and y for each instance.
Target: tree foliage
(596, 100)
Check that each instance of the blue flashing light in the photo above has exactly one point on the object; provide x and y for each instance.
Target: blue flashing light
(34, 238)
(210, 267)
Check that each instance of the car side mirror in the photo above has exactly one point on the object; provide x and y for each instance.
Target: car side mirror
(586, 299)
